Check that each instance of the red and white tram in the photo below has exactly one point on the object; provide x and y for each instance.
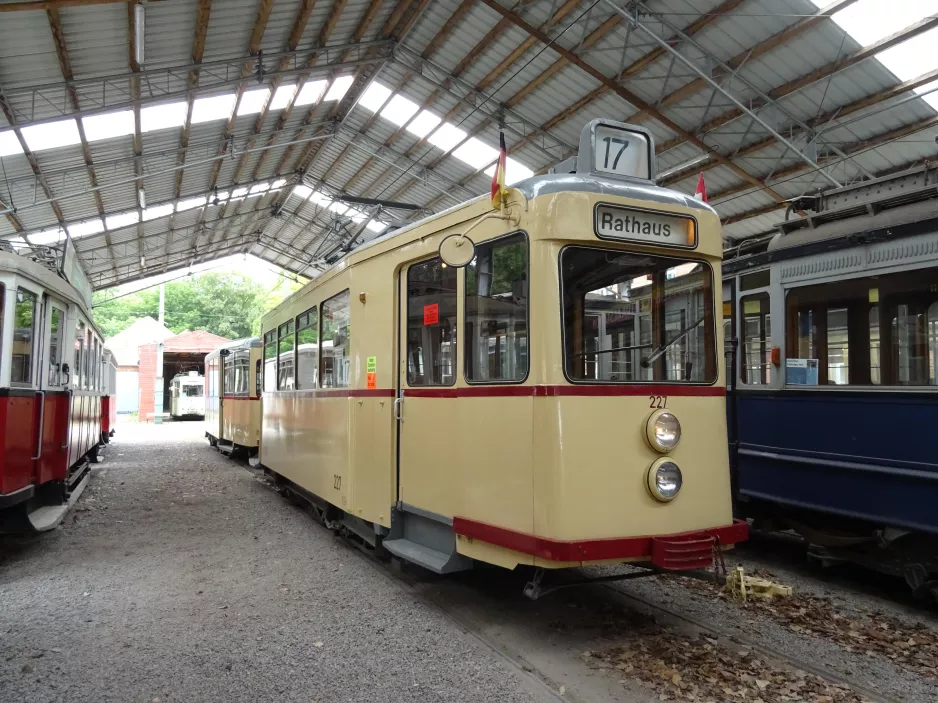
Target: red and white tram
(51, 385)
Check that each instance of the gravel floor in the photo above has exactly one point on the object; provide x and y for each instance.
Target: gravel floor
(180, 577)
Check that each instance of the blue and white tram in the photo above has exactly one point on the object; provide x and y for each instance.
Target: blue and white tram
(835, 401)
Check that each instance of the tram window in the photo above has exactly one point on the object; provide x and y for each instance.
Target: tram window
(285, 357)
(56, 324)
(335, 344)
(307, 349)
(631, 317)
(270, 361)
(497, 311)
(431, 324)
(24, 326)
(755, 350)
(869, 331)
(3, 291)
(79, 353)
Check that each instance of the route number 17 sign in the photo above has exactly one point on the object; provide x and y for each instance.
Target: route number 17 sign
(619, 152)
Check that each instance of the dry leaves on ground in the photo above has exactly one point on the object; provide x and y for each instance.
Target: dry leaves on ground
(697, 668)
(913, 647)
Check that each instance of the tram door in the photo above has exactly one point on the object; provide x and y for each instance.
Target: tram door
(426, 386)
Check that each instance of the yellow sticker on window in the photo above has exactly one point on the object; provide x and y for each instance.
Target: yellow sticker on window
(372, 365)
(874, 295)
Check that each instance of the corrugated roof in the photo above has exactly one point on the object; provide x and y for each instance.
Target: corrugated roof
(467, 61)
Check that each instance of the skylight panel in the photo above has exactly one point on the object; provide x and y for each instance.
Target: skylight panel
(239, 193)
(151, 213)
(300, 191)
(375, 96)
(46, 237)
(400, 110)
(163, 116)
(311, 93)
(252, 101)
(83, 229)
(375, 226)
(446, 137)
(476, 153)
(320, 199)
(283, 96)
(260, 188)
(191, 203)
(867, 23)
(424, 123)
(338, 208)
(9, 144)
(122, 220)
(339, 88)
(218, 107)
(108, 125)
(51, 135)
(514, 171)
(279, 183)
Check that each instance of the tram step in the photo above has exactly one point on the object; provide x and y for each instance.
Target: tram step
(430, 559)
(48, 517)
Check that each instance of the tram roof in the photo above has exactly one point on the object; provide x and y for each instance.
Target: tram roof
(84, 128)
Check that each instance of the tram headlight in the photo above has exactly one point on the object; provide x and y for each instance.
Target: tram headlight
(663, 431)
(664, 480)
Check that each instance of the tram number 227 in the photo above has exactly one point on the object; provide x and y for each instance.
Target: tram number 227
(658, 401)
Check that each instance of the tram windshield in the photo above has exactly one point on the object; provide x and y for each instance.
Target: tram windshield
(630, 317)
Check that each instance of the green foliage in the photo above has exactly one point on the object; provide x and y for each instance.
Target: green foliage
(227, 304)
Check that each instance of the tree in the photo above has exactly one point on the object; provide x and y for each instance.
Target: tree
(226, 304)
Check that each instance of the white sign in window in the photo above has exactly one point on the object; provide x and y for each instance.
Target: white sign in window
(620, 152)
(647, 227)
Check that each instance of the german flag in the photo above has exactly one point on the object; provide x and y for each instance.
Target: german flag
(498, 178)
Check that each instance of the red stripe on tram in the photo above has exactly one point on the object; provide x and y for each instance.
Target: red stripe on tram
(556, 391)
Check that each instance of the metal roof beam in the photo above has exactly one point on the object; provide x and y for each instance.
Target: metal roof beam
(33, 5)
(851, 149)
(814, 76)
(827, 121)
(135, 95)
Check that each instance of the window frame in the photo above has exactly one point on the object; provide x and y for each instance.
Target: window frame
(296, 346)
(760, 295)
(628, 250)
(34, 348)
(406, 276)
(527, 312)
(322, 358)
(290, 333)
(272, 333)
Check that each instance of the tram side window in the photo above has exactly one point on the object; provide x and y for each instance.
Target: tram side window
(56, 319)
(270, 361)
(756, 348)
(307, 349)
(872, 331)
(285, 357)
(79, 353)
(431, 324)
(497, 311)
(335, 343)
(24, 326)
(636, 318)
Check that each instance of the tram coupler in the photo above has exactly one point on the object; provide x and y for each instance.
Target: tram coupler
(534, 590)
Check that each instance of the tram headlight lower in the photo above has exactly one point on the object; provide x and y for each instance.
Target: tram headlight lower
(663, 431)
(664, 480)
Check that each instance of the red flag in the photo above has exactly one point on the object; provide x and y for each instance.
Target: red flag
(701, 193)
(498, 178)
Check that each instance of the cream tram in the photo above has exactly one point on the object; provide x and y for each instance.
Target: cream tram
(232, 396)
(187, 396)
(536, 384)
(51, 384)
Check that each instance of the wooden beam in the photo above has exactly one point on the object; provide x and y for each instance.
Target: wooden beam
(65, 65)
(198, 49)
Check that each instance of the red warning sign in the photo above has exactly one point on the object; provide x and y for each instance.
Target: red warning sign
(372, 380)
(431, 314)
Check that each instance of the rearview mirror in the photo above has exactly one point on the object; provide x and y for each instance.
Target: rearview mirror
(457, 250)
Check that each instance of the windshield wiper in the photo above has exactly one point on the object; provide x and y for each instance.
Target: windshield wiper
(651, 358)
(615, 349)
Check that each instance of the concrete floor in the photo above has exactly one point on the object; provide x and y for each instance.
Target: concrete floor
(181, 577)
